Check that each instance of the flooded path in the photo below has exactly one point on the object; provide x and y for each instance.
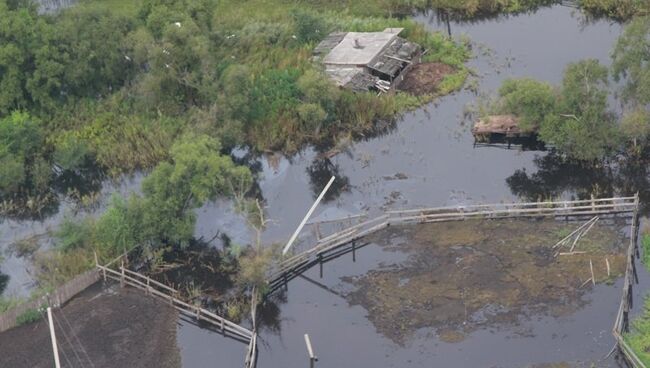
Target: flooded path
(426, 159)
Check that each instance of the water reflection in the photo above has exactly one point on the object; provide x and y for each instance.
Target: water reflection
(320, 171)
(4, 280)
(556, 175)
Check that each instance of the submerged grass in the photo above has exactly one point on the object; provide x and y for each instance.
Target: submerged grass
(461, 276)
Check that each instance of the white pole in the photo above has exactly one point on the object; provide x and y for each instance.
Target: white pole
(310, 351)
(304, 220)
(57, 364)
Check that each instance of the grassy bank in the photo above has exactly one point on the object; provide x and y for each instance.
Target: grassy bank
(639, 337)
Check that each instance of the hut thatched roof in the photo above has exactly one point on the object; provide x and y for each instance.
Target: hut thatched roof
(500, 124)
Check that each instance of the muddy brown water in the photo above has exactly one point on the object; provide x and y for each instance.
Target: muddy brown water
(426, 158)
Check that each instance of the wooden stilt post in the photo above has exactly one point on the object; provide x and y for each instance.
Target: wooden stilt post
(320, 262)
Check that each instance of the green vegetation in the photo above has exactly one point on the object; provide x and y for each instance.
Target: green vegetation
(631, 64)
(645, 244)
(618, 9)
(574, 117)
(639, 337)
(162, 215)
(529, 99)
(116, 85)
(27, 317)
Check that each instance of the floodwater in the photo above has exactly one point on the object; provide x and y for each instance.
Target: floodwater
(426, 158)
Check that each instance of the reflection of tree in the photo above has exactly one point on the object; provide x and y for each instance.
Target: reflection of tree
(269, 312)
(4, 280)
(320, 171)
(556, 175)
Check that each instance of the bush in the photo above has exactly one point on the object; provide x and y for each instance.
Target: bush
(309, 26)
(74, 234)
(529, 99)
(27, 317)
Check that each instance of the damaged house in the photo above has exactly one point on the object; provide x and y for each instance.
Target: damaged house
(367, 61)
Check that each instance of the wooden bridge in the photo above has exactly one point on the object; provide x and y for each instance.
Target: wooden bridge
(345, 240)
(154, 288)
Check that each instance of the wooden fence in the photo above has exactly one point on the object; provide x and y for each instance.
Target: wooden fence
(622, 322)
(171, 295)
(56, 298)
(345, 240)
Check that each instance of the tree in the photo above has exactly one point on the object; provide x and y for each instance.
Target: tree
(529, 99)
(631, 61)
(635, 127)
(197, 173)
(120, 228)
(22, 166)
(582, 127)
(309, 26)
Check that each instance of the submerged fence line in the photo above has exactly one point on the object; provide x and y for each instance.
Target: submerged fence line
(343, 241)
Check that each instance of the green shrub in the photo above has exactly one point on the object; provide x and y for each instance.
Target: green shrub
(639, 336)
(27, 317)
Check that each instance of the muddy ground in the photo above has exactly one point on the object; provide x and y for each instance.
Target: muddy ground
(114, 327)
(424, 78)
(461, 276)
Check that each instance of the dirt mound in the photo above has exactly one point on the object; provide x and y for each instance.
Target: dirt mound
(116, 328)
(424, 78)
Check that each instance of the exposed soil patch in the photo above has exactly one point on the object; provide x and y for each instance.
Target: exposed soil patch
(460, 276)
(424, 78)
(116, 327)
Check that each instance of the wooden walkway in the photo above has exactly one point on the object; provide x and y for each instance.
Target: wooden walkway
(154, 288)
(346, 240)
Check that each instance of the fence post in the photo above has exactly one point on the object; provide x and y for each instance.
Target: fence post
(122, 278)
(593, 203)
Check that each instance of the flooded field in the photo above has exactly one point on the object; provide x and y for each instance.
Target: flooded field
(459, 277)
(535, 314)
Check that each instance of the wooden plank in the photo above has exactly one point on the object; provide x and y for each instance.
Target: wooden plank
(622, 201)
(178, 304)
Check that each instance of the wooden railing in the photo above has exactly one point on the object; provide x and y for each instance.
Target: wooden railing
(293, 266)
(622, 322)
(171, 295)
(298, 263)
